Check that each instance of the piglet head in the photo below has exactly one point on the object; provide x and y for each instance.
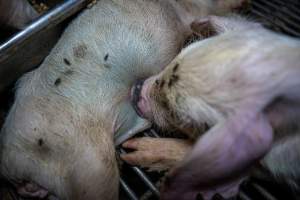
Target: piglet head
(157, 100)
(146, 98)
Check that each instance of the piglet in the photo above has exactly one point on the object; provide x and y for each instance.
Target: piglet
(242, 84)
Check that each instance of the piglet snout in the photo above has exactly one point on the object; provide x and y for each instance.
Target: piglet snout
(135, 95)
(140, 97)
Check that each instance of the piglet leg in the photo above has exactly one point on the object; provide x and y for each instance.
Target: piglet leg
(157, 154)
(220, 157)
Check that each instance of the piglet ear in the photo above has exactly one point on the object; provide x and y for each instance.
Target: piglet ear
(203, 28)
(214, 25)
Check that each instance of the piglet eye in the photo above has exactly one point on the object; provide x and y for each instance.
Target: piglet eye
(156, 82)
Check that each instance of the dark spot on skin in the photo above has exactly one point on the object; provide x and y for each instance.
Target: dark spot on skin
(68, 72)
(162, 83)
(67, 62)
(80, 51)
(156, 82)
(40, 142)
(162, 100)
(174, 78)
(106, 57)
(175, 68)
(57, 82)
(206, 126)
(165, 104)
(170, 83)
(43, 148)
(106, 66)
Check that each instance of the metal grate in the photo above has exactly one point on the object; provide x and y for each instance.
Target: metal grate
(281, 16)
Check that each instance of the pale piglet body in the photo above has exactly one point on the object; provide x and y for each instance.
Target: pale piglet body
(243, 83)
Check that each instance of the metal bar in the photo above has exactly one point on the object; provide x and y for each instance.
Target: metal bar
(243, 196)
(263, 192)
(265, 13)
(141, 174)
(50, 19)
(271, 5)
(279, 15)
(291, 31)
(294, 8)
(128, 190)
(146, 180)
(144, 177)
(147, 134)
(13, 195)
(153, 132)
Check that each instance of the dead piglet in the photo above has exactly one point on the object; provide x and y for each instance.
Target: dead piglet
(243, 84)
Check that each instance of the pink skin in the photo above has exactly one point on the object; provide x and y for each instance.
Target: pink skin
(143, 103)
(221, 158)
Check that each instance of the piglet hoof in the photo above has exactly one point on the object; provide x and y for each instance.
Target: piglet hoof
(32, 190)
(156, 154)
